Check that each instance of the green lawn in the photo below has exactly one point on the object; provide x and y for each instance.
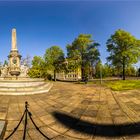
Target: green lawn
(116, 85)
(123, 84)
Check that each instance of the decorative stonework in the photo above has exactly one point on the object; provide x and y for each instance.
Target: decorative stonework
(14, 69)
(14, 57)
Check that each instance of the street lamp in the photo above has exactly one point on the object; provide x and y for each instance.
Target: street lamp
(100, 74)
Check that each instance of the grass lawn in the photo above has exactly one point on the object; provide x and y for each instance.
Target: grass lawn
(117, 85)
(123, 84)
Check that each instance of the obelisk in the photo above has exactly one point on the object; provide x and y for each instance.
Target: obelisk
(14, 56)
(14, 40)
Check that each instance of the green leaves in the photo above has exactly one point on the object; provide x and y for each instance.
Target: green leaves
(85, 51)
(54, 58)
(124, 49)
(39, 69)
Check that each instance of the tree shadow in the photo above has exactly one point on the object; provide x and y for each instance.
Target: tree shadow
(103, 130)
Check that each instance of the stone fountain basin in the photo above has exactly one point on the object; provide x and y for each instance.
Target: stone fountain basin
(15, 73)
(24, 87)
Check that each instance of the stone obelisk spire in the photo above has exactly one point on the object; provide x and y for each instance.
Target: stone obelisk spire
(14, 40)
(14, 56)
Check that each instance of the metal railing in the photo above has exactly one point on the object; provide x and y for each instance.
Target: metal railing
(25, 115)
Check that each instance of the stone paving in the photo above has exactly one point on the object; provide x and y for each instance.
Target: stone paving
(75, 112)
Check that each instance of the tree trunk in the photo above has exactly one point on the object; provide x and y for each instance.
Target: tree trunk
(82, 73)
(54, 75)
(123, 69)
(82, 67)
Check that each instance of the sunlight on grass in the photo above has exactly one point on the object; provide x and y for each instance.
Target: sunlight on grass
(123, 85)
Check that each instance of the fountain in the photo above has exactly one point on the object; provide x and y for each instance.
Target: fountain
(14, 79)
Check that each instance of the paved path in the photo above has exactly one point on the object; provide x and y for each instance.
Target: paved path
(76, 112)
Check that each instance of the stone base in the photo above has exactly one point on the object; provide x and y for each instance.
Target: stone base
(27, 78)
(25, 86)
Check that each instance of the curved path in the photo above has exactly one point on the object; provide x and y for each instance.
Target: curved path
(76, 112)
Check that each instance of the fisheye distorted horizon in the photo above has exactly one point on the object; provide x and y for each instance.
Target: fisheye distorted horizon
(41, 25)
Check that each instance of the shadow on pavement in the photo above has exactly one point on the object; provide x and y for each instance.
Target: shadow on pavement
(104, 130)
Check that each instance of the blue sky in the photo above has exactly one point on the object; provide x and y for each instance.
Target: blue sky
(43, 24)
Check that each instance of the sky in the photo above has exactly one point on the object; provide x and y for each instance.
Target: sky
(41, 25)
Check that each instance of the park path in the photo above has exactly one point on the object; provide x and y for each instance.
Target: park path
(74, 111)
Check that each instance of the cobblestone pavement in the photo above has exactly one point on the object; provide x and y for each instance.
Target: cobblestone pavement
(75, 112)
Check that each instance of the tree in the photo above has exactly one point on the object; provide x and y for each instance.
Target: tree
(5, 63)
(26, 61)
(98, 70)
(107, 70)
(84, 50)
(124, 49)
(54, 58)
(139, 72)
(131, 71)
(38, 69)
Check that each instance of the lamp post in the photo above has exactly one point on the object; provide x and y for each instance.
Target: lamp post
(100, 74)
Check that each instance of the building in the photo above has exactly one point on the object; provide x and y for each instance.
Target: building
(71, 74)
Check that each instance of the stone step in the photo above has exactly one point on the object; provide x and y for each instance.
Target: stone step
(18, 89)
(21, 84)
(34, 91)
(2, 80)
(2, 128)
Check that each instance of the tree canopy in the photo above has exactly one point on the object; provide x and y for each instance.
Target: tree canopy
(38, 69)
(54, 58)
(124, 49)
(84, 50)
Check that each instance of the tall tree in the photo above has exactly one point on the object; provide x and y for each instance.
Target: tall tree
(85, 51)
(139, 72)
(124, 49)
(54, 58)
(38, 69)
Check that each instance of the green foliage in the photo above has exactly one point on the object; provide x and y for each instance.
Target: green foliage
(109, 71)
(71, 65)
(131, 71)
(37, 61)
(124, 49)
(35, 72)
(5, 63)
(54, 58)
(98, 70)
(84, 50)
(39, 68)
